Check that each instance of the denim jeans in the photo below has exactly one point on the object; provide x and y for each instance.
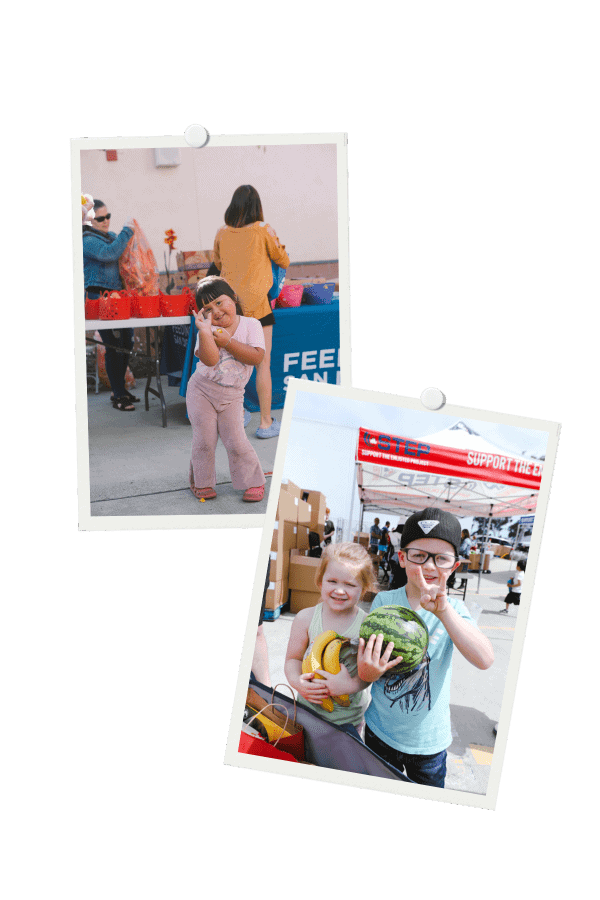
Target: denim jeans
(429, 770)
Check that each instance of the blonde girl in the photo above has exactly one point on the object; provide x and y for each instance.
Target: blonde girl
(344, 576)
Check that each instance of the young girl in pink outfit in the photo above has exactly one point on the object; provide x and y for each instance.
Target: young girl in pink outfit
(228, 345)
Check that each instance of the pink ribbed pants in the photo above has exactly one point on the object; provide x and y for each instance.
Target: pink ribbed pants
(216, 411)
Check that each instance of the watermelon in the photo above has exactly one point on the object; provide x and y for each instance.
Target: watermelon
(404, 628)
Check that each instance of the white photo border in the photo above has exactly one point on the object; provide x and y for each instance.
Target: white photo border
(234, 758)
(87, 522)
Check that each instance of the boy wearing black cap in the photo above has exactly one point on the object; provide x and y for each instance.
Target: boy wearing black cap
(408, 720)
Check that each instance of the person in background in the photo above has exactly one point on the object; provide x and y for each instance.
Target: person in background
(329, 528)
(374, 535)
(384, 548)
(315, 545)
(398, 574)
(102, 249)
(383, 538)
(515, 586)
(244, 249)
(465, 543)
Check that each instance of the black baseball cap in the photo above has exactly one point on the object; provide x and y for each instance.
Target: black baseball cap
(434, 523)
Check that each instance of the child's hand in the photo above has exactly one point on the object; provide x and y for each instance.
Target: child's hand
(203, 323)
(372, 664)
(221, 337)
(341, 683)
(313, 689)
(433, 596)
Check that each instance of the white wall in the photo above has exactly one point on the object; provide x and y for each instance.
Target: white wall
(297, 185)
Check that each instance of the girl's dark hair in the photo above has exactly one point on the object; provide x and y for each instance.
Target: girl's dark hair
(522, 565)
(98, 203)
(208, 289)
(245, 207)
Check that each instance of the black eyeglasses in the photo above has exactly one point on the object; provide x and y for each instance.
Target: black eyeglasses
(102, 218)
(420, 557)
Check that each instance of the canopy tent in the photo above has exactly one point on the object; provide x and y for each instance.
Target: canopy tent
(458, 471)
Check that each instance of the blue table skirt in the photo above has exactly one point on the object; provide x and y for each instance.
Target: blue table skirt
(306, 341)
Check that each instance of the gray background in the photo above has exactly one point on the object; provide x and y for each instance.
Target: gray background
(474, 197)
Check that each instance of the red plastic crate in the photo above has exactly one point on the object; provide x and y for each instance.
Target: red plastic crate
(174, 305)
(114, 305)
(92, 308)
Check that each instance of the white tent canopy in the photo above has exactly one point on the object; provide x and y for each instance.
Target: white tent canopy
(456, 470)
(426, 473)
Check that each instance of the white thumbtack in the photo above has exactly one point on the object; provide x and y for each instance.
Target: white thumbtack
(196, 135)
(433, 398)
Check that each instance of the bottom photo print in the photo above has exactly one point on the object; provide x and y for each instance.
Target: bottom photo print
(393, 585)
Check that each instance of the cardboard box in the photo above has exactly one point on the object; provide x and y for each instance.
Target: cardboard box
(279, 565)
(362, 537)
(320, 530)
(302, 538)
(474, 561)
(292, 489)
(304, 512)
(193, 265)
(277, 594)
(318, 505)
(302, 573)
(287, 507)
(284, 537)
(302, 599)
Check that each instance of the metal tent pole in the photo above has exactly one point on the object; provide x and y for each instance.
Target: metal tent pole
(482, 554)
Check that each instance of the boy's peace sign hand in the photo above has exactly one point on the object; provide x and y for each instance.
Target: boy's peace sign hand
(372, 664)
(433, 596)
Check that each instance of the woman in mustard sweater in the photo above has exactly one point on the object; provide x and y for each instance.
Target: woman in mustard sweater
(243, 251)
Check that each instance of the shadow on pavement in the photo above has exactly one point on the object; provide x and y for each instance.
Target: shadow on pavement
(469, 726)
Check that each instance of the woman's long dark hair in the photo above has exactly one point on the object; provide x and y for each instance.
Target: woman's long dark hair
(208, 289)
(245, 207)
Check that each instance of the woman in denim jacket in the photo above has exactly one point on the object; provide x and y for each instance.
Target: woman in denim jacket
(101, 252)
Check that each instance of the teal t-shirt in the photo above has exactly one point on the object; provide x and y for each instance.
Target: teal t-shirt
(411, 713)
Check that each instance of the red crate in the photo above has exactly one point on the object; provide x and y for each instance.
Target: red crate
(92, 308)
(174, 305)
(114, 305)
(147, 307)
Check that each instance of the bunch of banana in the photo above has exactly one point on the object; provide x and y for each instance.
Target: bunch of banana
(325, 654)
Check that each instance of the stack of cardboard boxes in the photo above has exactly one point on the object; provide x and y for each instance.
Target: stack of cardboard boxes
(291, 572)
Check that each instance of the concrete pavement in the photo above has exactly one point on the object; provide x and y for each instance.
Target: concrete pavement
(476, 696)
(139, 468)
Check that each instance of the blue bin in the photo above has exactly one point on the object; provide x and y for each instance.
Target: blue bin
(318, 294)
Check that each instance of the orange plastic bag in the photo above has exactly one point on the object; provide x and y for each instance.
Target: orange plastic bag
(137, 264)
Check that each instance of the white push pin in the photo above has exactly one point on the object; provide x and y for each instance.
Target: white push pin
(196, 135)
(433, 398)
